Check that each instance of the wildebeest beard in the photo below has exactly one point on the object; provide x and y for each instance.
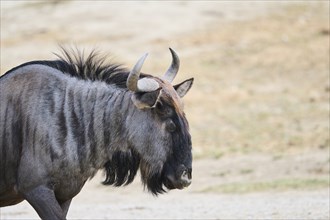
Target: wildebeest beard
(123, 166)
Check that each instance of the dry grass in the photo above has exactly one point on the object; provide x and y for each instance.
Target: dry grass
(274, 185)
(261, 85)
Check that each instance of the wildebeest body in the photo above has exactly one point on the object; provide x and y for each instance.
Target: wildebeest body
(60, 124)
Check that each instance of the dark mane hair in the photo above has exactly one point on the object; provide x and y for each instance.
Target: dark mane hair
(121, 168)
(94, 67)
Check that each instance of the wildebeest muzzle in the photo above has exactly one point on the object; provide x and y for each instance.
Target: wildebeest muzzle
(179, 179)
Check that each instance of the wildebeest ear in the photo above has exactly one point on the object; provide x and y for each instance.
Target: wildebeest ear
(183, 87)
(145, 99)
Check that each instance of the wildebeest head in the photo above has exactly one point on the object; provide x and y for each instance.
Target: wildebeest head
(158, 129)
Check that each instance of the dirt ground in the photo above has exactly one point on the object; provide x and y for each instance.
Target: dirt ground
(235, 187)
(258, 112)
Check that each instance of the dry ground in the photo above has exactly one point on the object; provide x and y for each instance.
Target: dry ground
(236, 187)
(259, 109)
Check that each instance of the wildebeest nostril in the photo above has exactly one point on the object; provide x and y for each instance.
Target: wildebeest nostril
(185, 178)
(186, 174)
(189, 173)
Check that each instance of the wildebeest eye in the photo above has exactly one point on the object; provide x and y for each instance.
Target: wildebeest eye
(163, 110)
(170, 126)
(159, 106)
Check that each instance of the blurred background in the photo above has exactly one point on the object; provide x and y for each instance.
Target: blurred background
(258, 110)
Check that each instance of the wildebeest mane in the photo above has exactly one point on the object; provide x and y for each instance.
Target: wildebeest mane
(94, 67)
(121, 168)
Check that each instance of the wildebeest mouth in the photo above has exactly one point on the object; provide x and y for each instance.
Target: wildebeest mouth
(183, 180)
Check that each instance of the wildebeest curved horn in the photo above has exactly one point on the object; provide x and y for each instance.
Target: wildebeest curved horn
(135, 84)
(174, 68)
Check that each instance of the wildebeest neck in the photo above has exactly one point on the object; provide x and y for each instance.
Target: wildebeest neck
(94, 120)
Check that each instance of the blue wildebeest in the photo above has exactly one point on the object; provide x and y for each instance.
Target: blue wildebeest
(61, 121)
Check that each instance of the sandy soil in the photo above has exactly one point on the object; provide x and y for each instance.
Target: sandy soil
(209, 196)
(126, 29)
(285, 205)
(259, 111)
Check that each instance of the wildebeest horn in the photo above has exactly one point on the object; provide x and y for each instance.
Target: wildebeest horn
(140, 85)
(174, 68)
